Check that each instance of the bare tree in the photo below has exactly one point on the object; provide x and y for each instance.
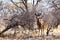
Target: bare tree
(26, 19)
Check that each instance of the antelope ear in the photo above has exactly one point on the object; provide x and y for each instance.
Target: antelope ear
(38, 14)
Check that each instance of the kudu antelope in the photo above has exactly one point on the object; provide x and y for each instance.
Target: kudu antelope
(40, 26)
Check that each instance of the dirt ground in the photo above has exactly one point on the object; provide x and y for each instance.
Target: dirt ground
(32, 35)
(34, 38)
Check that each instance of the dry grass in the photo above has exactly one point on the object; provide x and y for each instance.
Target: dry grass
(55, 35)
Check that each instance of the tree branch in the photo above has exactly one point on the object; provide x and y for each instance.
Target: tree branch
(25, 4)
(37, 1)
(17, 5)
